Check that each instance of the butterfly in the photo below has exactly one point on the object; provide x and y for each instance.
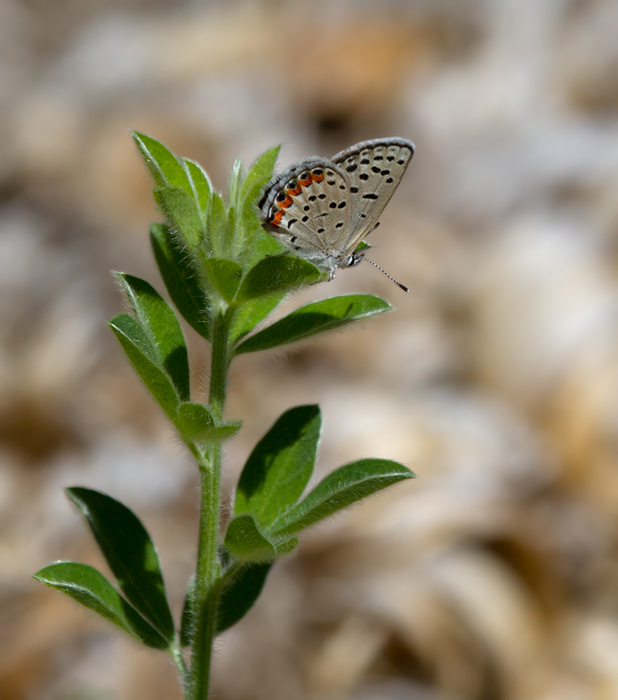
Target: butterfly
(323, 208)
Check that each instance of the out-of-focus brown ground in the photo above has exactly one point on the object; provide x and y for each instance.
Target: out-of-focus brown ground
(492, 576)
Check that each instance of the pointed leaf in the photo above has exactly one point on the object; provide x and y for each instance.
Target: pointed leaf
(259, 174)
(163, 329)
(135, 343)
(318, 317)
(130, 553)
(175, 266)
(363, 245)
(180, 210)
(201, 185)
(246, 542)
(282, 273)
(280, 465)
(235, 183)
(225, 276)
(343, 487)
(162, 163)
(249, 314)
(196, 424)
(240, 592)
(219, 228)
(89, 587)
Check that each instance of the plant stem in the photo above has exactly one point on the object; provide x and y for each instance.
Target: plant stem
(220, 361)
(179, 660)
(207, 593)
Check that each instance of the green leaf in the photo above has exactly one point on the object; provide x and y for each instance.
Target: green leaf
(225, 276)
(286, 546)
(141, 353)
(338, 490)
(180, 210)
(318, 317)
(282, 273)
(249, 314)
(219, 240)
(89, 587)
(234, 186)
(197, 424)
(162, 328)
(259, 174)
(363, 245)
(130, 553)
(280, 465)
(201, 185)
(244, 539)
(175, 266)
(163, 165)
(240, 592)
(256, 243)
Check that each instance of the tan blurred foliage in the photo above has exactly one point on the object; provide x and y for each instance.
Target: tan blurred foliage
(495, 574)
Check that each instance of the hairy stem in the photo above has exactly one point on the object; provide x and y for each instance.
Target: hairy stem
(207, 590)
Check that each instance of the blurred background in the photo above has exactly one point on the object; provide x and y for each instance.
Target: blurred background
(494, 576)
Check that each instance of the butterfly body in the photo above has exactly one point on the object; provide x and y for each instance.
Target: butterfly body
(322, 208)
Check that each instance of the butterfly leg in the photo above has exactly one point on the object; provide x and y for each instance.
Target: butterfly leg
(331, 274)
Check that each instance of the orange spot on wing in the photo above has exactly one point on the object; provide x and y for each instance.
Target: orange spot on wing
(317, 178)
(306, 181)
(295, 191)
(275, 219)
(286, 203)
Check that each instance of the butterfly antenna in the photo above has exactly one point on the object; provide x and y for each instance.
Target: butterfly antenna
(392, 279)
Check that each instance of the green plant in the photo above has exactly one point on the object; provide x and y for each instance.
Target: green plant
(225, 275)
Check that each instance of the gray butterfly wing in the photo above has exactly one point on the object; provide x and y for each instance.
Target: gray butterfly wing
(374, 170)
(307, 208)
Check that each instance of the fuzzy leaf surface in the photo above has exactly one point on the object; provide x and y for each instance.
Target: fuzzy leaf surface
(130, 554)
(162, 327)
(259, 174)
(341, 488)
(89, 587)
(201, 186)
(281, 273)
(141, 353)
(198, 425)
(225, 276)
(163, 165)
(180, 278)
(233, 190)
(180, 209)
(246, 542)
(280, 465)
(318, 317)
(249, 314)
